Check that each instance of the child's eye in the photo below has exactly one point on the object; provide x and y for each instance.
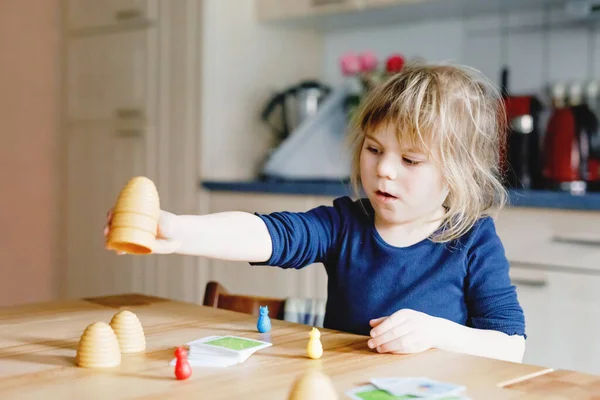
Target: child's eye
(411, 162)
(373, 149)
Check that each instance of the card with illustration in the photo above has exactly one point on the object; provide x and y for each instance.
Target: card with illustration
(372, 392)
(424, 387)
(228, 345)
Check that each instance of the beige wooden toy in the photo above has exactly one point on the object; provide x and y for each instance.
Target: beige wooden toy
(129, 331)
(98, 347)
(135, 217)
(314, 349)
(313, 385)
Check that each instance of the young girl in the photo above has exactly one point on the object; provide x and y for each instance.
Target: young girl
(417, 264)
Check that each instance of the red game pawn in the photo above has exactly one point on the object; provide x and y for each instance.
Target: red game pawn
(182, 366)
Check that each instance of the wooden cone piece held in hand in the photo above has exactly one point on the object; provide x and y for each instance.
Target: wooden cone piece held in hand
(129, 332)
(98, 347)
(313, 384)
(135, 217)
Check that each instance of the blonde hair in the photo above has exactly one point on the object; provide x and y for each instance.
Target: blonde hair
(453, 114)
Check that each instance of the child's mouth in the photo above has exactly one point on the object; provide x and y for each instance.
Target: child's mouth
(385, 196)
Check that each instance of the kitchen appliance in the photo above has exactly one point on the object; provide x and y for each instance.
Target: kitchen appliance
(521, 161)
(286, 110)
(317, 149)
(572, 147)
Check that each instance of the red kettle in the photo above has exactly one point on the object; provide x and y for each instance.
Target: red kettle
(572, 149)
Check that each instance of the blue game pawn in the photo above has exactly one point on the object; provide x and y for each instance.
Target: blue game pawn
(264, 323)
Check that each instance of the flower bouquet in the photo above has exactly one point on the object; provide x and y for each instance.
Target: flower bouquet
(362, 73)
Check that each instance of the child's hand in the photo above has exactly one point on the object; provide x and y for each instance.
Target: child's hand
(405, 331)
(167, 240)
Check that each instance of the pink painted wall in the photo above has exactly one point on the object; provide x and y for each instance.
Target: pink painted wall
(29, 100)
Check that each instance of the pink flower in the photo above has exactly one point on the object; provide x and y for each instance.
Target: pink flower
(367, 61)
(350, 64)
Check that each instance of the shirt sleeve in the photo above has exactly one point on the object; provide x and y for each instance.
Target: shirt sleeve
(491, 298)
(303, 238)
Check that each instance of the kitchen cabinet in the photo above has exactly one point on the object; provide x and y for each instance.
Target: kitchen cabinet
(82, 14)
(99, 161)
(240, 277)
(131, 101)
(286, 9)
(562, 315)
(109, 77)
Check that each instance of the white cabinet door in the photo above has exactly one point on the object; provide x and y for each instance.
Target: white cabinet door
(99, 164)
(83, 14)
(240, 277)
(562, 316)
(110, 76)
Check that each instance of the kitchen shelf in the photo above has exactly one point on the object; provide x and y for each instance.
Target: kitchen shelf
(409, 11)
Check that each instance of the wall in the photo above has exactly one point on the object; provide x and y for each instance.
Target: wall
(29, 46)
(244, 63)
(536, 56)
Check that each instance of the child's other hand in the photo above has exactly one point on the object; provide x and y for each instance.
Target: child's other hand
(167, 240)
(405, 331)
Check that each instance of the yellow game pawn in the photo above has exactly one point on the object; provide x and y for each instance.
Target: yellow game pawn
(314, 349)
(312, 385)
(129, 331)
(98, 347)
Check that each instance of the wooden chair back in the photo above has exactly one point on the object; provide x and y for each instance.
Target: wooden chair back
(217, 296)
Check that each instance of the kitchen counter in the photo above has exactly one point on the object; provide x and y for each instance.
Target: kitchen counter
(39, 342)
(518, 198)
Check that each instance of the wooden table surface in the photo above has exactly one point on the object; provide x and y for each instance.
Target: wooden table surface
(38, 346)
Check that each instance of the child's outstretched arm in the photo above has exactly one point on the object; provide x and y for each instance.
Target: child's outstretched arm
(233, 235)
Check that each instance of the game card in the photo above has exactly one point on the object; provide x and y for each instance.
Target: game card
(372, 392)
(423, 387)
(233, 345)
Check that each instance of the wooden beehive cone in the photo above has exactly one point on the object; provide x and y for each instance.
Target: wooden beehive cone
(135, 217)
(129, 332)
(313, 384)
(98, 347)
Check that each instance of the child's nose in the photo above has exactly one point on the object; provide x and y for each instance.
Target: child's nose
(387, 168)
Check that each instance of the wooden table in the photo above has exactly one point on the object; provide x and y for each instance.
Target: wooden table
(38, 345)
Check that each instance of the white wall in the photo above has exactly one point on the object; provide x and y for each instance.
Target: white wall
(536, 57)
(244, 64)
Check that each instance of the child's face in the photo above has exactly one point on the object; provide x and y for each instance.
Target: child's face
(403, 184)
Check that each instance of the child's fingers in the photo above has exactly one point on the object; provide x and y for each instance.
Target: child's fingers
(376, 321)
(165, 246)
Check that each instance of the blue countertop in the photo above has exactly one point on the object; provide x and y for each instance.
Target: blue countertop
(518, 198)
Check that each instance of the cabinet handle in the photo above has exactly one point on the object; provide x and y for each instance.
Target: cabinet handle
(530, 282)
(128, 113)
(573, 240)
(130, 133)
(316, 3)
(127, 14)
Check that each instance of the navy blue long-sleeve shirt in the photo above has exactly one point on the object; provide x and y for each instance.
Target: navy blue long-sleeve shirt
(465, 281)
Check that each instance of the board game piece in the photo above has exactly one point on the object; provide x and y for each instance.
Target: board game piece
(129, 331)
(183, 370)
(98, 347)
(135, 217)
(264, 322)
(314, 349)
(313, 384)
